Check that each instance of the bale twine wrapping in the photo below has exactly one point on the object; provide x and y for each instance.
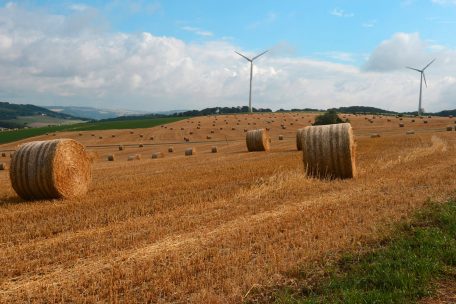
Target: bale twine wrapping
(214, 149)
(157, 155)
(329, 151)
(58, 168)
(3, 166)
(257, 140)
(190, 151)
(299, 139)
(111, 157)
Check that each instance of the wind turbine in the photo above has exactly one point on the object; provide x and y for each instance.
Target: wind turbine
(423, 76)
(251, 74)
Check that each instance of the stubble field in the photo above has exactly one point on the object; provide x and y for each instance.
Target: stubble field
(211, 227)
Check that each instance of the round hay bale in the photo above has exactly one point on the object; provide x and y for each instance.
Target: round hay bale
(93, 155)
(208, 137)
(410, 132)
(425, 121)
(113, 136)
(449, 128)
(214, 149)
(134, 157)
(140, 135)
(401, 125)
(257, 140)
(329, 151)
(190, 151)
(280, 137)
(50, 169)
(131, 132)
(100, 137)
(4, 166)
(111, 157)
(299, 139)
(121, 148)
(80, 134)
(170, 149)
(151, 138)
(141, 145)
(375, 135)
(3, 154)
(157, 155)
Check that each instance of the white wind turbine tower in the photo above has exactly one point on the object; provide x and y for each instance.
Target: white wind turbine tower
(251, 74)
(423, 76)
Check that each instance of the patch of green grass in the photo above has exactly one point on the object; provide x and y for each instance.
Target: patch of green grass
(400, 271)
(10, 136)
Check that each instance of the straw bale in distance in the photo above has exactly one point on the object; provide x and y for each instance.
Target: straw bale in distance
(214, 149)
(3, 154)
(190, 151)
(410, 132)
(50, 169)
(449, 128)
(280, 137)
(134, 157)
(121, 148)
(3, 166)
(375, 135)
(111, 157)
(157, 155)
(170, 149)
(329, 151)
(257, 140)
(401, 125)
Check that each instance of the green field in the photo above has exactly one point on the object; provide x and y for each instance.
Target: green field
(10, 136)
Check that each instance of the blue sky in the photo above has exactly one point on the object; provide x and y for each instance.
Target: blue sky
(336, 44)
(310, 28)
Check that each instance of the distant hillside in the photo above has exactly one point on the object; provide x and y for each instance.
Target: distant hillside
(18, 115)
(203, 112)
(93, 113)
(446, 113)
(362, 110)
(12, 111)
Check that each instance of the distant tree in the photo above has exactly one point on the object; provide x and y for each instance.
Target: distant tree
(328, 118)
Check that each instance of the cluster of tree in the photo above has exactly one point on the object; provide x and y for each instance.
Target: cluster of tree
(220, 110)
(328, 118)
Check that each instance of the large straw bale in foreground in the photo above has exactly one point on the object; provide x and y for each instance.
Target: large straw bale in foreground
(58, 168)
(299, 139)
(258, 140)
(329, 151)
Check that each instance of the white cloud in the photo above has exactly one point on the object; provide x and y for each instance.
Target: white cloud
(341, 13)
(197, 31)
(51, 59)
(369, 24)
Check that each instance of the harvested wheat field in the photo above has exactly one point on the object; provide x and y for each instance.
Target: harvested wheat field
(214, 227)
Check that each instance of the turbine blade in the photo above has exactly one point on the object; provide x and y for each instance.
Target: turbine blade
(243, 56)
(424, 77)
(429, 64)
(413, 69)
(260, 55)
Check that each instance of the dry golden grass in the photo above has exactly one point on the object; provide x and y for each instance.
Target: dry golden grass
(205, 229)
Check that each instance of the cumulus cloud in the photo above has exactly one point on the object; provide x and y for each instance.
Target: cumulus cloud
(52, 59)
